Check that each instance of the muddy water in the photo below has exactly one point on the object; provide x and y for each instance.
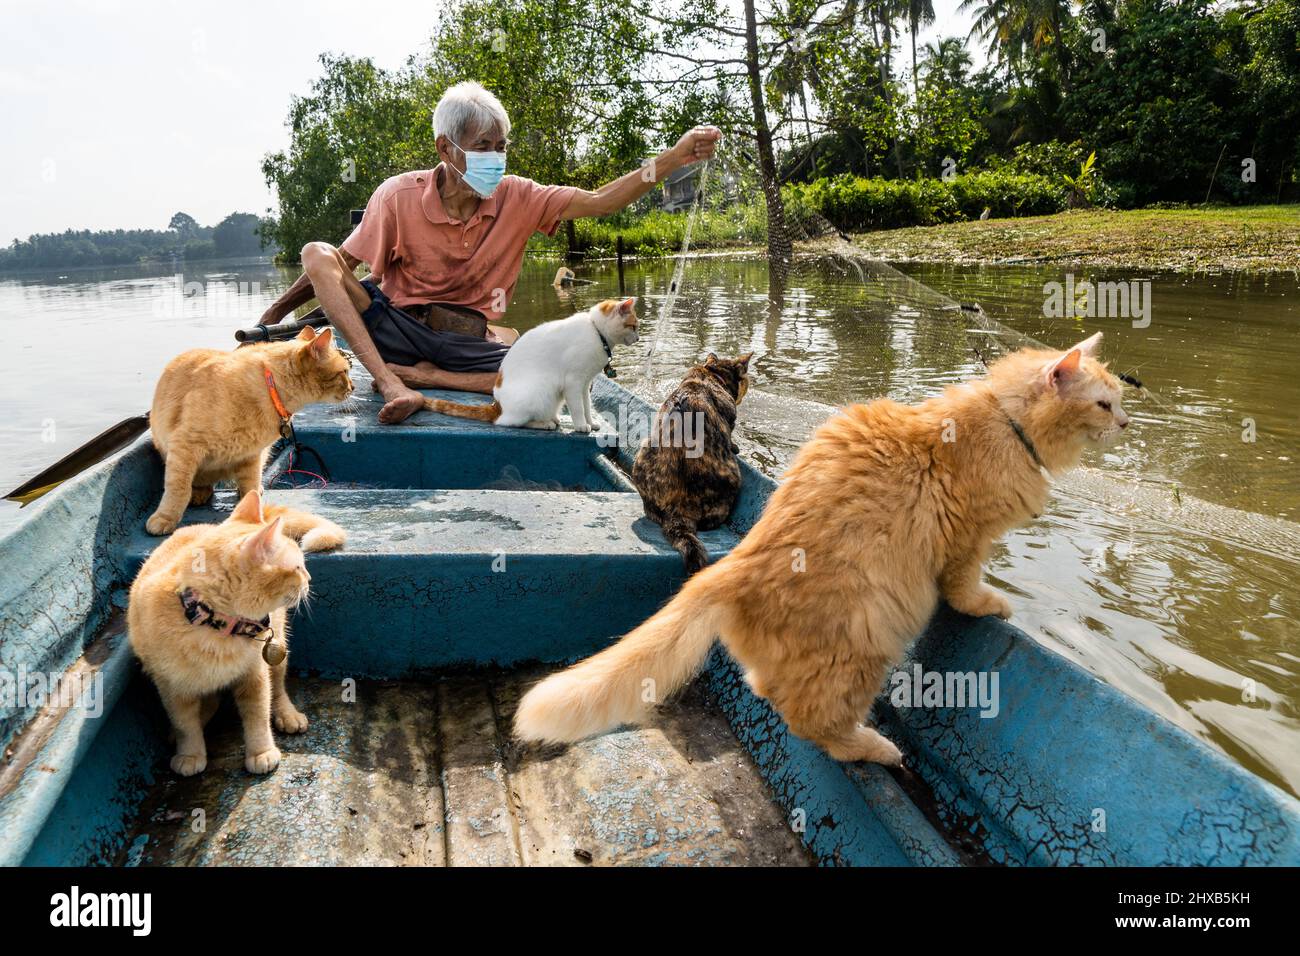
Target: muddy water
(1167, 565)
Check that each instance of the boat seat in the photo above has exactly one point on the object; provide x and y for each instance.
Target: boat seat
(430, 450)
(546, 575)
(398, 521)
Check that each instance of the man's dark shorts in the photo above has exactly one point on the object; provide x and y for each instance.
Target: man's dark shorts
(404, 340)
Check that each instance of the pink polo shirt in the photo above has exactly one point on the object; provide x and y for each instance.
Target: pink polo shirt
(420, 254)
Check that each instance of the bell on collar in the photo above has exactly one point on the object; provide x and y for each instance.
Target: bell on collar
(273, 653)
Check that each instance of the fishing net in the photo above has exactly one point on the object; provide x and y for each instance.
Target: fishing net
(1158, 566)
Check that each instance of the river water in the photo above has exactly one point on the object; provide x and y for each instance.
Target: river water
(1167, 565)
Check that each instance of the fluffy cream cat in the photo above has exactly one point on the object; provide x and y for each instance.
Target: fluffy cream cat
(886, 509)
(198, 615)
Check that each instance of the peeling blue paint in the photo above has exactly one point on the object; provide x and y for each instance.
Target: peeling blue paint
(415, 593)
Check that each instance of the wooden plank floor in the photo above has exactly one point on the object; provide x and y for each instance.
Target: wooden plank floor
(424, 774)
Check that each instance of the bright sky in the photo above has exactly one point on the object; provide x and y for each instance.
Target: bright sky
(118, 113)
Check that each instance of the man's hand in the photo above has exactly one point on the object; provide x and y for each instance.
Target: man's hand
(699, 144)
(400, 403)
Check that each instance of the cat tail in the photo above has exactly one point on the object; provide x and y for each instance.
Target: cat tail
(312, 532)
(483, 413)
(621, 683)
(681, 535)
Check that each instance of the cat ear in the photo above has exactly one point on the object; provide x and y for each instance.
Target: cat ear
(1063, 369)
(712, 359)
(307, 334)
(628, 304)
(249, 508)
(1090, 345)
(261, 546)
(744, 359)
(320, 346)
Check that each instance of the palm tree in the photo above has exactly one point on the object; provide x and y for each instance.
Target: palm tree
(880, 16)
(920, 13)
(1013, 28)
(948, 60)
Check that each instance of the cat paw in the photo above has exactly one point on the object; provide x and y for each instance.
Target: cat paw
(160, 524)
(290, 720)
(187, 765)
(264, 762)
(864, 744)
(582, 429)
(984, 603)
(884, 753)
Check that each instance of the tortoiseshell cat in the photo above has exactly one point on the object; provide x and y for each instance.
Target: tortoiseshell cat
(687, 470)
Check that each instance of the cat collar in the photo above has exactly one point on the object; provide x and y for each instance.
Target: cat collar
(1024, 440)
(198, 612)
(286, 426)
(609, 354)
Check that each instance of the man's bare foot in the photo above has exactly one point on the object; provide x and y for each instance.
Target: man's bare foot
(401, 404)
(428, 375)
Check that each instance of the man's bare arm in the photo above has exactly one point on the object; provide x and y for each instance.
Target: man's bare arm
(699, 144)
(300, 293)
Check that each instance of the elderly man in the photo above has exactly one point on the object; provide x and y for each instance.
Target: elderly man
(444, 247)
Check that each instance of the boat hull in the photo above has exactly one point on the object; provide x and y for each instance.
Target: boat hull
(482, 550)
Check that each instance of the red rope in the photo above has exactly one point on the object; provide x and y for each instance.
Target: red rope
(299, 471)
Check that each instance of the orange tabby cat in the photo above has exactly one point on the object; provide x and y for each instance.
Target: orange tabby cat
(886, 508)
(214, 416)
(197, 610)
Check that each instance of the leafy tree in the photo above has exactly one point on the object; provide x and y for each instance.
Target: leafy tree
(1271, 77)
(184, 224)
(1156, 105)
(357, 127)
(947, 61)
(946, 120)
(116, 247)
(566, 72)
(1018, 31)
(237, 235)
(920, 13)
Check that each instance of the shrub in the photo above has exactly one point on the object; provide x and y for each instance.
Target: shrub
(659, 233)
(854, 203)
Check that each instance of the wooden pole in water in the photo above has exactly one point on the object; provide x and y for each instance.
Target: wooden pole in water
(618, 250)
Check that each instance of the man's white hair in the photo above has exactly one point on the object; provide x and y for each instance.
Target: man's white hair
(468, 108)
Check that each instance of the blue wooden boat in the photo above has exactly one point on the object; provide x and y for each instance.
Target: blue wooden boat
(478, 559)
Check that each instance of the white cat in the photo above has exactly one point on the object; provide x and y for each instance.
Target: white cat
(551, 365)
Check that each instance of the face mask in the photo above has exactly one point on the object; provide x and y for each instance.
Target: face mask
(483, 171)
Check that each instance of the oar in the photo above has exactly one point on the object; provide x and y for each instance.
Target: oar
(282, 330)
(128, 430)
(91, 453)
